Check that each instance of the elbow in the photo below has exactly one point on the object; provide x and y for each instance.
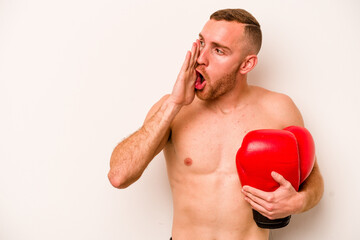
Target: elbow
(120, 180)
(117, 180)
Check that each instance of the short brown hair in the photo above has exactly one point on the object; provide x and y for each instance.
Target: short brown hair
(252, 26)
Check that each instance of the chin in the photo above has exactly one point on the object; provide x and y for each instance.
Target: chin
(205, 95)
(201, 95)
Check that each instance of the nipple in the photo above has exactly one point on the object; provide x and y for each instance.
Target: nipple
(188, 161)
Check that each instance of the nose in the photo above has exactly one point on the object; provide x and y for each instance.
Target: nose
(203, 57)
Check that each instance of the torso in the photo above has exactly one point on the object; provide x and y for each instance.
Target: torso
(200, 156)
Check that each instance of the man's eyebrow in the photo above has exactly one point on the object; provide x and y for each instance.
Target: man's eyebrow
(215, 44)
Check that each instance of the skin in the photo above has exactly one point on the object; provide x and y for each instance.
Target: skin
(200, 132)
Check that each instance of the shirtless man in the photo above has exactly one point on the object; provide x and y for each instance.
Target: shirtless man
(201, 125)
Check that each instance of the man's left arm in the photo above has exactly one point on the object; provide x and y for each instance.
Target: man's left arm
(286, 200)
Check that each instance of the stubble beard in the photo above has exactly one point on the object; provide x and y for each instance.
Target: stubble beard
(218, 88)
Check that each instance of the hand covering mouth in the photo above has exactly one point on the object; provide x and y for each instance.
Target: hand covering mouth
(200, 81)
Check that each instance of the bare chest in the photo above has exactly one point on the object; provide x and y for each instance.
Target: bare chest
(206, 143)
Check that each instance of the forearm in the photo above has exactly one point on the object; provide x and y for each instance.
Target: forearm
(130, 157)
(311, 190)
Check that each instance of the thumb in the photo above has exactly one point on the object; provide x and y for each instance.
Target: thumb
(279, 178)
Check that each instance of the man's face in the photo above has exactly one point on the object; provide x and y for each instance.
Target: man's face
(222, 52)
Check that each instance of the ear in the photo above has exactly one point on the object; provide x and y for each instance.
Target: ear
(248, 64)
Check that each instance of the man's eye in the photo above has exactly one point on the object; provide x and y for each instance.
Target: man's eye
(202, 43)
(219, 51)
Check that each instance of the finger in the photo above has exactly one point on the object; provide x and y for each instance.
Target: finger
(256, 206)
(255, 192)
(263, 202)
(193, 54)
(197, 52)
(186, 63)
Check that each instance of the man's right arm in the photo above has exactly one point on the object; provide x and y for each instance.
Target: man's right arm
(131, 156)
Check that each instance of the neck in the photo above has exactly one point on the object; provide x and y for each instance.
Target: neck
(232, 100)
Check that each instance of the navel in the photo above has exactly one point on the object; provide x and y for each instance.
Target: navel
(188, 161)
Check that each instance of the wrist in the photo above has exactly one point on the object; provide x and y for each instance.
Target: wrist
(301, 202)
(170, 108)
(172, 103)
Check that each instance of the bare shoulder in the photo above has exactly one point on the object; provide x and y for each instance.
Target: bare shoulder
(280, 106)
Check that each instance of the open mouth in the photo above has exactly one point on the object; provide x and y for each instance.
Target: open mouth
(200, 81)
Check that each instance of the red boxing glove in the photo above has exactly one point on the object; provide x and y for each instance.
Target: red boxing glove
(289, 152)
(306, 148)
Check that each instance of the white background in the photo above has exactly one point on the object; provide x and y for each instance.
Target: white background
(77, 76)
